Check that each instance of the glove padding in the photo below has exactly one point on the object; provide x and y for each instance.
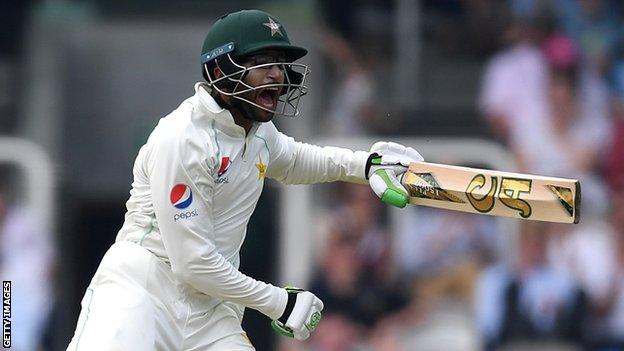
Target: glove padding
(302, 314)
(385, 168)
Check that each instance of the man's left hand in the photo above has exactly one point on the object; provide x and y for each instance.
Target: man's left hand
(385, 168)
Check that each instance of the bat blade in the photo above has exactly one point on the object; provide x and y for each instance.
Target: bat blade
(494, 193)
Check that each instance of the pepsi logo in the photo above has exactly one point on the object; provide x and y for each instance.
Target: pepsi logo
(181, 196)
(225, 164)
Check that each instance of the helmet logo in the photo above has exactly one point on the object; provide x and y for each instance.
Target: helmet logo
(275, 27)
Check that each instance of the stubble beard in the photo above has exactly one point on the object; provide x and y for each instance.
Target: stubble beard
(250, 111)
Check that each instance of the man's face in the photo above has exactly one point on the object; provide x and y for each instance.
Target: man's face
(269, 74)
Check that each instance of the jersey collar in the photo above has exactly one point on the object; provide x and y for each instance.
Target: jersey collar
(223, 118)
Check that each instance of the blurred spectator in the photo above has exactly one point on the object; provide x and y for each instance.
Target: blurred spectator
(613, 309)
(596, 25)
(440, 251)
(583, 253)
(489, 302)
(538, 303)
(26, 259)
(352, 105)
(558, 124)
(550, 110)
(340, 286)
(513, 91)
(571, 136)
(356, 42)
(574, 130)
(356, 281)
(439, 254)
(576, 134)
(577, 114)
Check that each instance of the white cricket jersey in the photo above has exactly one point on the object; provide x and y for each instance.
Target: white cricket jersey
(196, 183)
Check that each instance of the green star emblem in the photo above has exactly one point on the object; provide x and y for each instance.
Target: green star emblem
(275, 27)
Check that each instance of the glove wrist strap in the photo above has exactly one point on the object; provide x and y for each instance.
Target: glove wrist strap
(369, 163)
(292, 299)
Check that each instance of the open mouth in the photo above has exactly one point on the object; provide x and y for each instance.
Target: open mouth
(268, 97)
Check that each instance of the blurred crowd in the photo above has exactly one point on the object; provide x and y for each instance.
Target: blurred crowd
(552, 93)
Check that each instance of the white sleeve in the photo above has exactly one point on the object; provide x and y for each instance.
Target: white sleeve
(293, 162)
(189, 241)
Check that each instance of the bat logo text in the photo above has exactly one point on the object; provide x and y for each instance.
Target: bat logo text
(507, 190)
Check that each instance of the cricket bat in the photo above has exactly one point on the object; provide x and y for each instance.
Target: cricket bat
(494, 193)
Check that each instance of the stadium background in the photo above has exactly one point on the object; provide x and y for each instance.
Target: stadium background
(86, 81)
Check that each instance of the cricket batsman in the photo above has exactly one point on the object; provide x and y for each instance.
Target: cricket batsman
(171, 280)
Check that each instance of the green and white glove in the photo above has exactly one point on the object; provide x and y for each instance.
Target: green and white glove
(385, 167)
(301, 316)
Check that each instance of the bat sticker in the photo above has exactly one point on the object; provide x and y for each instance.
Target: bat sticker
(424, 185)
(565, 197)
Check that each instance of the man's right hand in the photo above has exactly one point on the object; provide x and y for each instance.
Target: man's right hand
(301, 316)
(385, 167)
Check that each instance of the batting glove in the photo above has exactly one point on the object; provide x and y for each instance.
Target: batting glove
(385, 167)
(302, 314)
